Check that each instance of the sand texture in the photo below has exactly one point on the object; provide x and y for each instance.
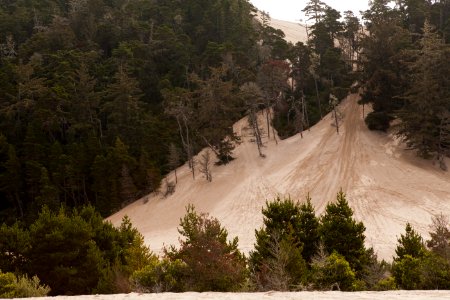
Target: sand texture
(386, 185)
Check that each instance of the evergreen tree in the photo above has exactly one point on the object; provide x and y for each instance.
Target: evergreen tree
(411, 243)
(309, 233)
(282, 233)
(212, 262)
(343, 234)
(426, 114)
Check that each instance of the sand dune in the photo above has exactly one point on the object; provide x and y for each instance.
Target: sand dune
(386, 185)
(295, 32)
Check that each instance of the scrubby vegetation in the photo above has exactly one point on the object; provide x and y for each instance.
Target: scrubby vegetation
(76, 252)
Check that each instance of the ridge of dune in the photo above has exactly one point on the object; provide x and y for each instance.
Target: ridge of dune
(386, 186)
(294, 32)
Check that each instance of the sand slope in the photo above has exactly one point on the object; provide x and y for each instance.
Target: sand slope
(294, 32)
(386, 186)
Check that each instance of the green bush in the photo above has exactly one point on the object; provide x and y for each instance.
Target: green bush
(334, 273)
(386, 284)
(21, 287)
(378, 120)
(160, 276)
(407, 273)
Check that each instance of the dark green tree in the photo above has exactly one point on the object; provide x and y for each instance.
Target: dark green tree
(425, 116)
(340, 232)
(282, 233)
(410, 243)
(309, 232)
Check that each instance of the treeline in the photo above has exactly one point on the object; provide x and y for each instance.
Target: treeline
(91, 92)
(100, 99)
(76, 252)
(405, 72)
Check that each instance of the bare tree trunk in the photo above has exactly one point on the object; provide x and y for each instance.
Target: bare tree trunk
(336, 119)
(318, 98)
(205, 163)
(273, 131)
(253, 119)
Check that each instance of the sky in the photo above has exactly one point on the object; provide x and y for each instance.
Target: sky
(291, 10)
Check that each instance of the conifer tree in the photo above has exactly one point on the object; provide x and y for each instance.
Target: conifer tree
(340, 232)
(410, 243)
(212, 262)
(425, 116)
(282, 231)
(309, 232)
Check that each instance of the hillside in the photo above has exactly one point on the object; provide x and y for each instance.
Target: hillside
(294, 32)
(386, 185)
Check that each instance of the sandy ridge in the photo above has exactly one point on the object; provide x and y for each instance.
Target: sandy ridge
(386, 185)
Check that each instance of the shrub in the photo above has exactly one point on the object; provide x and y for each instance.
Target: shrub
(22, 287)
(407, 273)
(334, 273)
(385, 284)
(378, 120)
(212, 262)
(160, 276)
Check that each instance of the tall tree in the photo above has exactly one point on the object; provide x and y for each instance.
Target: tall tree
(340, 232)
(425, 116)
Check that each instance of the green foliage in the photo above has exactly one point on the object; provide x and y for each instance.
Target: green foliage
(21, 287)
(425, 116)
(74, 252)
(160, 276)
(386, 284)
(287, 241)
(334, 273)
(309, 233)
(378, 120)
(417, 268)
(343, 234)
(406, 272)
(14, 244)
(211, 262)
(77, 76)
(410, 243)
(64, 254)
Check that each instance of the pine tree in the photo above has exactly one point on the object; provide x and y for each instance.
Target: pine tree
(425, 116)
(213, 263)
(309, 233)
(411, 243)
(282, 227)
(343, 234)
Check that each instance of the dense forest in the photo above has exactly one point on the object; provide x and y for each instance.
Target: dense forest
(99, 99)
(93, 93)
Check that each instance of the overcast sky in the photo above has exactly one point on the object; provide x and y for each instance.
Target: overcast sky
(291, 10)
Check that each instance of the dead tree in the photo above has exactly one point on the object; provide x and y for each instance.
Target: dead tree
(205, 165)
(336, 113)
(174, 159)
(252, 95)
